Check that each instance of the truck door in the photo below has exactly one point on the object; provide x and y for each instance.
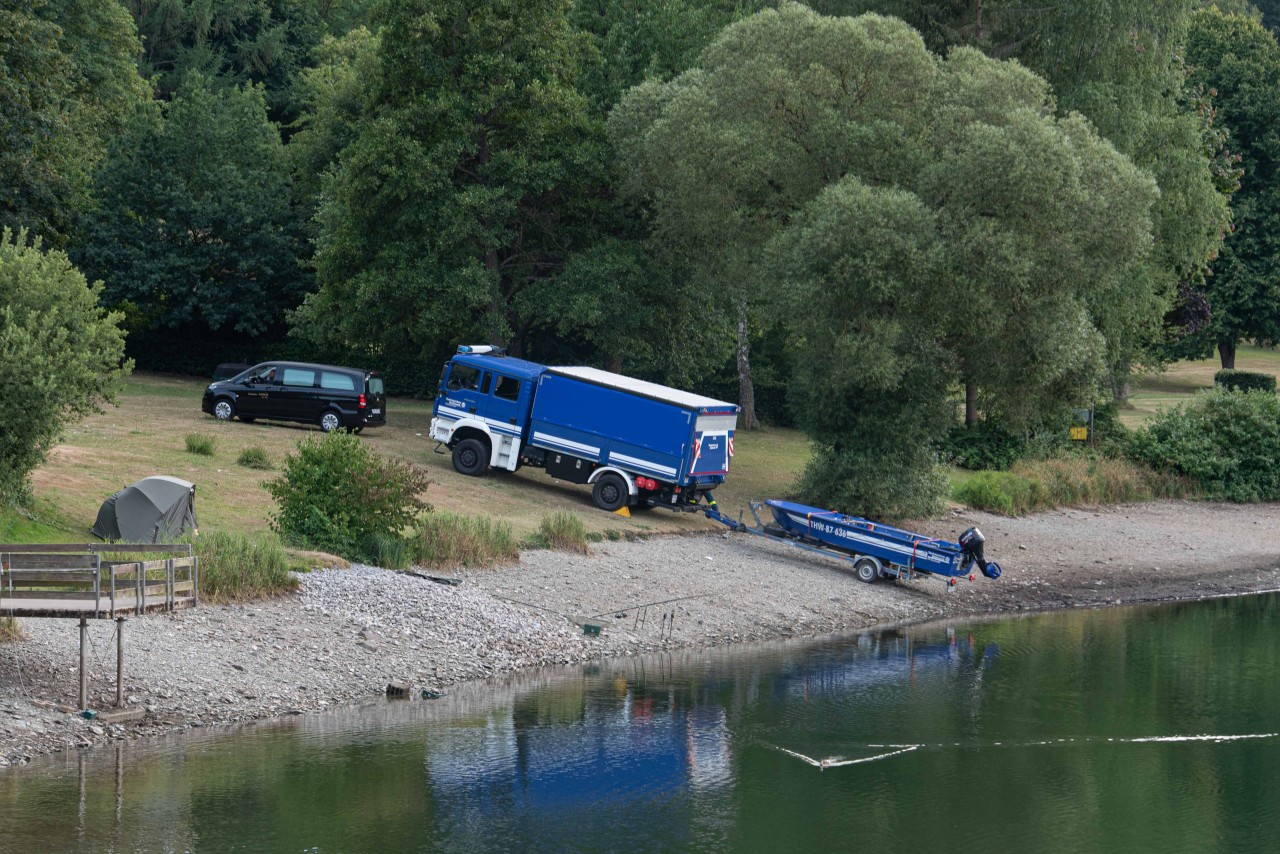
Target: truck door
(466, 391)
(510, 396)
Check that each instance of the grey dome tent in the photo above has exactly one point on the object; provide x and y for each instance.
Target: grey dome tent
(153, 510)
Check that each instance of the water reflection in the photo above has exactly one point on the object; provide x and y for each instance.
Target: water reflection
(1120, 730)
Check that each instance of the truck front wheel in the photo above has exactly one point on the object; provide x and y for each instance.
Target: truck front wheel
(470, 457)
(610, 492)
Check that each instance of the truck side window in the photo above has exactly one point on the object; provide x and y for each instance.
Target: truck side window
(484, 383)
(507, 388)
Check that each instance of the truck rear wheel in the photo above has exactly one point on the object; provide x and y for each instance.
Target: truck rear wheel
(470, 457)
(610, 492)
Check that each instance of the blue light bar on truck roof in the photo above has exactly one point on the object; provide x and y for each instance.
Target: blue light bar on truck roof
(482, 349)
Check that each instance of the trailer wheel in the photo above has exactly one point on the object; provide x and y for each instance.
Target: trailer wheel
(610, 492)
(867, 569)
(470, 457)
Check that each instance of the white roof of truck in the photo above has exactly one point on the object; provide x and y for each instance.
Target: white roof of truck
(648, 389)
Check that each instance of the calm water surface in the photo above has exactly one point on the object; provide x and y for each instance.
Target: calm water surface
(1126, 730)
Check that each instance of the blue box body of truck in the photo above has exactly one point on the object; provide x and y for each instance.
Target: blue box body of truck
(634, 442)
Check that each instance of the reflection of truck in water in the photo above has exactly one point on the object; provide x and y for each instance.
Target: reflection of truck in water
(634, 442)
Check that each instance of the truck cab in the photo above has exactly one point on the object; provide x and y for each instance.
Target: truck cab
(482, 407)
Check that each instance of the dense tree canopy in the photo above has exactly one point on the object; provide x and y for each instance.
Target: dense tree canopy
(452, 214)
(918, 221)
(1239, 61)
(67, 79)
(194, 226)
(61, 355)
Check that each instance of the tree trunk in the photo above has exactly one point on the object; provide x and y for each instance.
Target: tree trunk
(970, 404)
(1227, 353)
(746, 390)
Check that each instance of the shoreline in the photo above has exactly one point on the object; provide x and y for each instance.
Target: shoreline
(349, 632)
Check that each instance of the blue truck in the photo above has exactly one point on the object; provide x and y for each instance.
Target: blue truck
(636, 443)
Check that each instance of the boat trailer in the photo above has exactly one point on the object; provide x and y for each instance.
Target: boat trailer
(875, 550)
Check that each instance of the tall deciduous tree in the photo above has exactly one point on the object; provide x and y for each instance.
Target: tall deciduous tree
(67, 79)
(194, 227)
(61, 354)
(918, 221)
(1239, 61)
(453, 213)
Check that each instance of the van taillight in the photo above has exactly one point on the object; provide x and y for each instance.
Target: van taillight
(361, 404)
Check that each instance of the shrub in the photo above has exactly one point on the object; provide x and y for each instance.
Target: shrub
(1223, 441)
(1066, 481)
(446, 539)
(336, 494)
(564, 531)
(984, 446)
(902, 483)
(254, 458)
(1244, 380)
(235, 567)
(388, 551)
(202, 445)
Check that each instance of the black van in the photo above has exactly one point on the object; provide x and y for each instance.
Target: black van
(327, 395)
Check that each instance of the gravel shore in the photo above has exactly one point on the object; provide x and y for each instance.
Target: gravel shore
(348, 633)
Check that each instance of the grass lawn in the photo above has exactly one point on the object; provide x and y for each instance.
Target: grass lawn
(146, 435)
(1180, 382)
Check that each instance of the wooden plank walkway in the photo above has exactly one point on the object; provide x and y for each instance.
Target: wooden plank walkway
(103, 581)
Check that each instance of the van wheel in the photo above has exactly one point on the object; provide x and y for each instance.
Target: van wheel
(610, 492)
(330, 421)
(470, 457)
(224, 410)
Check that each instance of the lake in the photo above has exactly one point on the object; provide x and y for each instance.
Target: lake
(1136, 729)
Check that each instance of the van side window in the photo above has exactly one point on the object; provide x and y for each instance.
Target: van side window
(331, 379)
(299, 377)
(507, 388)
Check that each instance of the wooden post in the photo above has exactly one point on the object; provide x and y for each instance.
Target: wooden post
(119, 662)
(84, 634)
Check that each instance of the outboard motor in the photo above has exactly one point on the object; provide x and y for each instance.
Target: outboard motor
(971, 546)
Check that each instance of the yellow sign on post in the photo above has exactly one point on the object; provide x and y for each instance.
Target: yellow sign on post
(1079, 434)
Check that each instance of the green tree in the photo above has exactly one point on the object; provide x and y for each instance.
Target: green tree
(61, 354)
(194, 227)
(918, 221)
(454, 211)
(239, 42)
(67, 78)
(1238, 60)
(1119, 63)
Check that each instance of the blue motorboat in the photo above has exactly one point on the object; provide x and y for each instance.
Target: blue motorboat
(876, 550)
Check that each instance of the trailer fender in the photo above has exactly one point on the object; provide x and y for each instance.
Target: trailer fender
(632, 489)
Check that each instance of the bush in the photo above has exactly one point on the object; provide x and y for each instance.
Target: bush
(235, 567)
(1067, 481)
(564, 531)
(1244, 381)
(202, 445)
(336, 495)
(446, 539)
(62, 355)
(984, 446)
(388, 551)
(903, 484)
(254, 458)
(1223, 441)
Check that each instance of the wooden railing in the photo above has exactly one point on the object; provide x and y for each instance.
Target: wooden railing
(91, 580)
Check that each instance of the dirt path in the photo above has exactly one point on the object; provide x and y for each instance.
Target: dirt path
(350, 632)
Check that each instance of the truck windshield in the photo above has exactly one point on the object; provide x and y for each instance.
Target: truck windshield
(463, 377)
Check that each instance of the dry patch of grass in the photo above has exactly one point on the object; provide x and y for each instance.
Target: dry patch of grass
(1180, 382)
(145, 435)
